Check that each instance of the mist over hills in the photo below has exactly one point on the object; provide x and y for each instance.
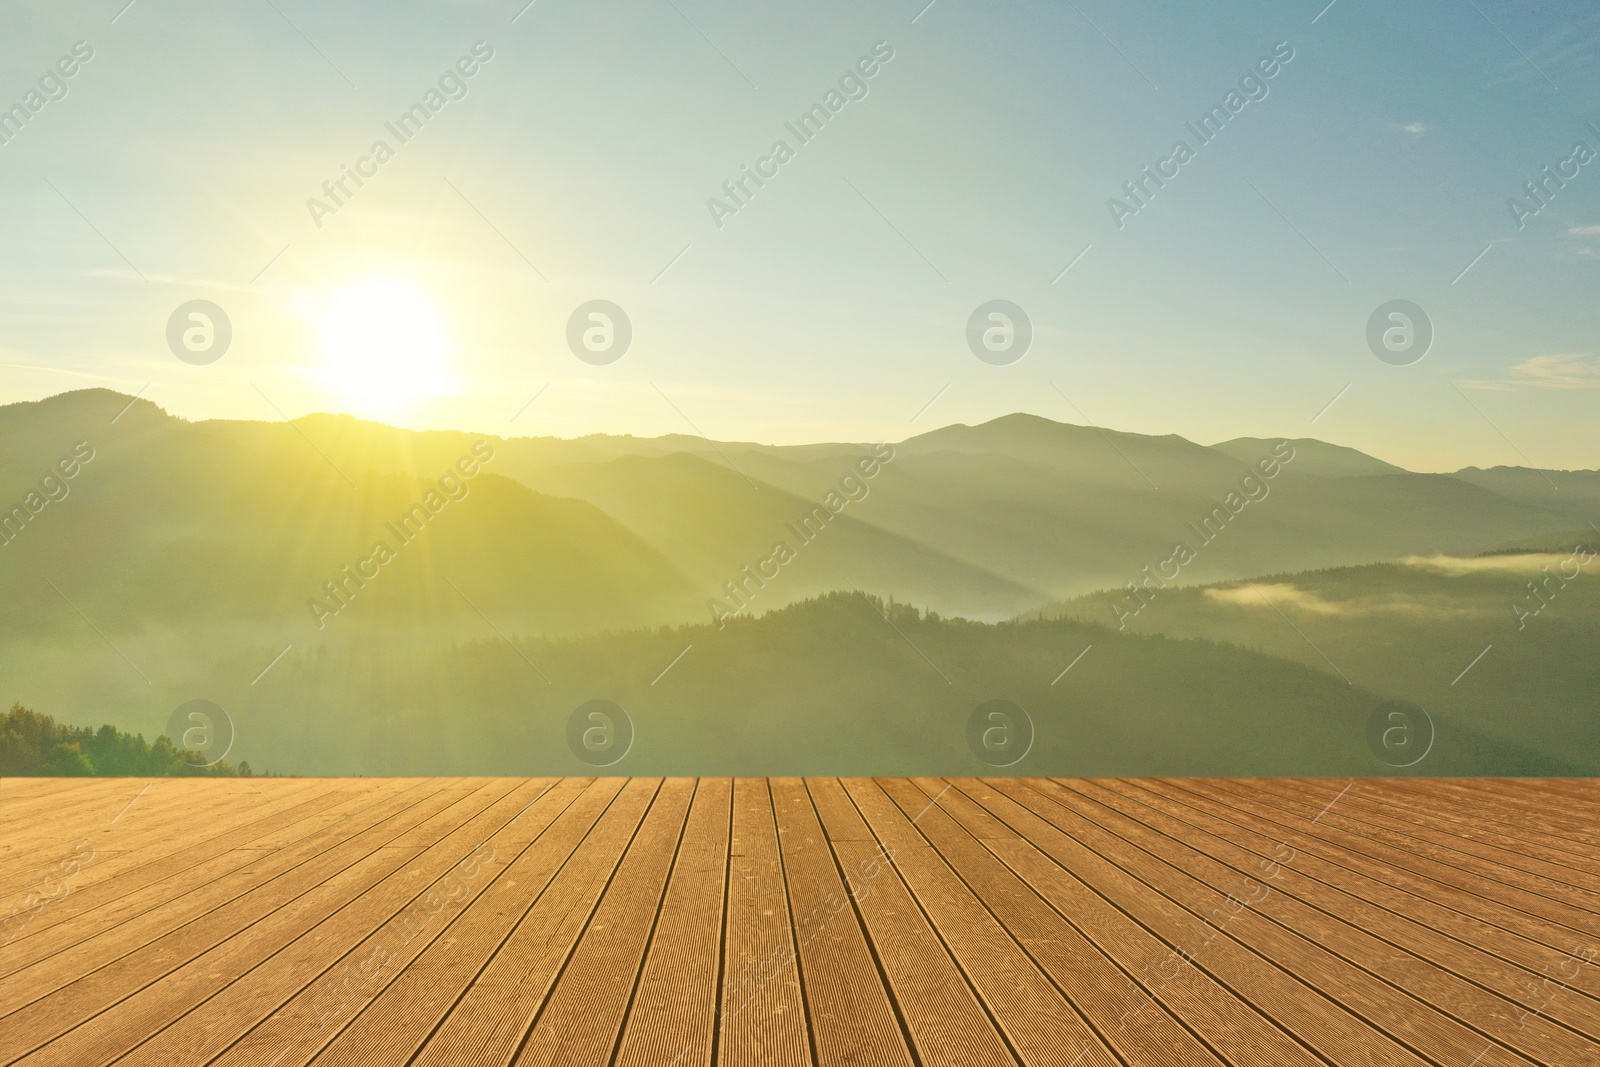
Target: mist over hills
(983, 521)
(174, 524)
(1500, 644)
(382, 564)
(830, 683)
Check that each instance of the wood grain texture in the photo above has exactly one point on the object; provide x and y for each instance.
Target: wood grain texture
(809, 922)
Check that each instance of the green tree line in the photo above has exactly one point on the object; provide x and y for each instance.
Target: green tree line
(35, 745)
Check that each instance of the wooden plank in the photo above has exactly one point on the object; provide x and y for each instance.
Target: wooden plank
(35, 827)
(1037, 1021)
(121, 895)
(582, 1018)
(852, 1020)
(1201, 947)
(100, 895)
(1385, 1008)
(378, 931)
(136, 963)
(1501, 1018)
(876, 922)
(166, 802)
(15, 789)
(74, 799)
(1159, 979)
(391, 1006)
(1350, 851)
(1091, 982)
(131, 820)
(1476, 815)
(159, 909)
(673, 1017)
(1436, 863)
(942, 1015)
(763, 1017)
(1514, 862)
(487, 1025)
(1462, 944)
(1565, 807)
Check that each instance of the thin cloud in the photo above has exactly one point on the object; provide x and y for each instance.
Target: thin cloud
(1558, 372)
(1287, 595)
(1585, 231)
(1280, 594)
(1519, 563)
(1307, 603)
(1566, 370)
(1571, 43)
(1560, 55)
(1415, 129)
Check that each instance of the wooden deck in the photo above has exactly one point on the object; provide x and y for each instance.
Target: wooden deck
(679, 922)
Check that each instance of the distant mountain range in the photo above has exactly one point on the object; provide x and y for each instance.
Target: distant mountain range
(188, 553)
(1500, 645)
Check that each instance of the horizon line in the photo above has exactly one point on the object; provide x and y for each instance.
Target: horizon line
(135, 399)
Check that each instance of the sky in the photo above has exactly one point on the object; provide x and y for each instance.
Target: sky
(583, 157)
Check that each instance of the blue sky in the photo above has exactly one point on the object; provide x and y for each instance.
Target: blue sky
(834, 304)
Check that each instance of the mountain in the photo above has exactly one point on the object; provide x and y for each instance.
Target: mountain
(182, 525)
(1068, 509)
(1498, 644)
(177, 519)
(1312, 457)
(374, 598)
(844, 684)
(1576, 493)
(711, 521)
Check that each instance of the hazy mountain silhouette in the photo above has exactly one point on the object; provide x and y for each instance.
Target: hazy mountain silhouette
(826, 686)
(1414, 630)
(176, 524)
(238, 561)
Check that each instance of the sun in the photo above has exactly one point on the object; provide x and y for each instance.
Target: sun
(382, 347)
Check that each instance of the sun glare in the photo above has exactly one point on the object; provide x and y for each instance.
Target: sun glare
(382, 348)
